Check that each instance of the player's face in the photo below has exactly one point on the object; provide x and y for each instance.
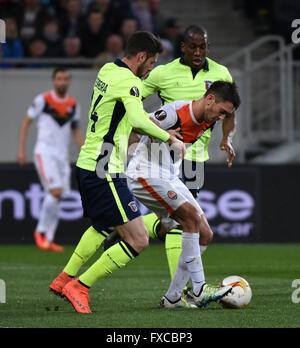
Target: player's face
(61, 82)
(146, 66)
(195, 51)
(216, 111)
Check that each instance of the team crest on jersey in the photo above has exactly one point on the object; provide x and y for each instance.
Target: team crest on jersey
(172, 195)
(135, 92)
(133, 206)
(160, 115)
(208, 84)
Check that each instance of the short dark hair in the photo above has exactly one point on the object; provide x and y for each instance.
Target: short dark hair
(59, 69)
(143, 41)
(225, 91)
(192, 30)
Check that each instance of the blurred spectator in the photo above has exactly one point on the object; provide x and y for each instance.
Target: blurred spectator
(72, 47)
(167, 54)
(124, 7)
(71, 19)
(13, 47)
(158, 19)
(51, 37)
(114, 11)
(114, 48)
(31, 20)
(45, 24)
(37, 48)
(46, 2)
(12, 8)
(93, 36)
(60, 7)
(173, 33)
(141, 10)
(128, 27)
(85, 4)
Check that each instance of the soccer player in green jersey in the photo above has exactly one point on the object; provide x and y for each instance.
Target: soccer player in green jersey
(188, 78)
(116, 108)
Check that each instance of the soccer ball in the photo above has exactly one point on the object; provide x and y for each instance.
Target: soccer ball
(240, 295)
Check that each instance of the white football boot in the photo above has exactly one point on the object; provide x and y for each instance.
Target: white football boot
(211, 293)
(183, 302)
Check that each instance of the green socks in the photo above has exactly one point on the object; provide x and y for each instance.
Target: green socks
(173, 245)
(88, 245)
(112, 259)
(151, 221)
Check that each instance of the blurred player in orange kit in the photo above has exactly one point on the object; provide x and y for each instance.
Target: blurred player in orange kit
(57, 114)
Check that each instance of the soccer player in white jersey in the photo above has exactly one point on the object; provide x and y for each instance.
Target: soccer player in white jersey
(57, 114)
(153, 177)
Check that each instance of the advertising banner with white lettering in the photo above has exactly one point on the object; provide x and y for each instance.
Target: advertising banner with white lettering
(242, 204)
(21, 196)
(230, 200)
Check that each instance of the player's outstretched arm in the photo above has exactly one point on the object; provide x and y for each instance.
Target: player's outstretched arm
(141, 123)
(145, 126)
(21, 155)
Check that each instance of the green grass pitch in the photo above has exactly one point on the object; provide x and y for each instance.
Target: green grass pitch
(129, 298)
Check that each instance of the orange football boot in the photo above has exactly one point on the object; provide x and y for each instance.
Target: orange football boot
(78, 296)
(58, 283)
(41, 241)
(55, 247)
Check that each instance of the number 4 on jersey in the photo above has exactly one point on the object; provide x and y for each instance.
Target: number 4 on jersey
(94, 116)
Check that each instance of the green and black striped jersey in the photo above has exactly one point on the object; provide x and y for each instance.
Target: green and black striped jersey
(116, 108)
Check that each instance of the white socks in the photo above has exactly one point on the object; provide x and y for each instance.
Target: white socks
(48, 219)
(189, 266)
(179, 281)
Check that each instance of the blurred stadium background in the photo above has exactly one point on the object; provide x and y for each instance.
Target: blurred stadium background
(257, 199)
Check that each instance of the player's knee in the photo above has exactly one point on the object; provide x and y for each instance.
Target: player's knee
(56, 193)
(188, 217)
(192, 219)
(141, 243)
(206, 233)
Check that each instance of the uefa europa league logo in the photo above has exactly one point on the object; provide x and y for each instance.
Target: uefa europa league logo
(2, 31)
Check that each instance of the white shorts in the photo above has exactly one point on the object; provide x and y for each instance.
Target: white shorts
(162, 197)
(53, 172)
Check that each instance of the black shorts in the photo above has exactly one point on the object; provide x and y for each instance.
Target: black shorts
(107, 202)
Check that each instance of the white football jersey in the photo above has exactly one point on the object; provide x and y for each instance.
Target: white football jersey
(152, 159)
(155, 159)
(55, 119)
